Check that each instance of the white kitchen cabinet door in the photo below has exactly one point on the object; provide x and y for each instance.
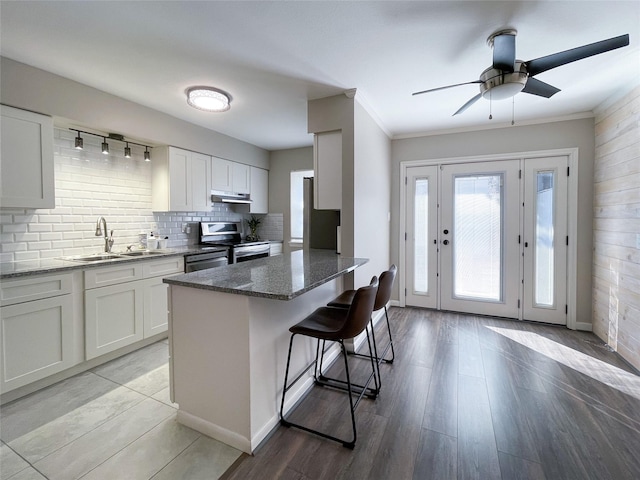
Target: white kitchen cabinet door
(241, 178)
(36, 340)
(259, 191)
(200, 182)
(26, 159)
(179, 180)
(156, 313)
(327, 166)
(113, 317)
(221, 174)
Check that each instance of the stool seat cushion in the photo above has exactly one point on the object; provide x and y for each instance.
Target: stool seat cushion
(325, 323)
(344, 300)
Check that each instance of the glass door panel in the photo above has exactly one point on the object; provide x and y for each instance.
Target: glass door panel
(545, 249)
(421, 246)
(477, 251)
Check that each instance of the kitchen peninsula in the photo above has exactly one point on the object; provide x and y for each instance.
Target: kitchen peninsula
(228, 337)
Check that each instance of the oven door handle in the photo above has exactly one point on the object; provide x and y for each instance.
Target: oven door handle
(250, 250)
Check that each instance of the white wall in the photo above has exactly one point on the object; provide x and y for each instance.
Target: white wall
(573, 133)
(372, 196)
(29, 88)
(366, 190)
(282, 163)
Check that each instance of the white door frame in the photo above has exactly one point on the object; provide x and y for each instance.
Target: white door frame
(572, 208)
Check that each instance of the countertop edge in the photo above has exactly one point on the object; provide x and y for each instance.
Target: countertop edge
(69, 265)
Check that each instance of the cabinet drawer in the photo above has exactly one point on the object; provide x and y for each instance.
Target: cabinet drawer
(34, 288)
(166, 266)
(101, 277)
(36, 340)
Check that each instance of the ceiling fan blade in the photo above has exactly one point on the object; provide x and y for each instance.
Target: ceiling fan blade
(542, 64)
(504, 52)
(468, 104)
(536, 87)
(448, 86)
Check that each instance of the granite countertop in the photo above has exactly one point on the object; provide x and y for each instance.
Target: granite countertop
(282, 277)
(61, 264)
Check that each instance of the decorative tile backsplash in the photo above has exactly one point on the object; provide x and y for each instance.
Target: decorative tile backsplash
(88, 185)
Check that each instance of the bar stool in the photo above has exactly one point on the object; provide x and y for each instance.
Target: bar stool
(335, 324)
(382, 298)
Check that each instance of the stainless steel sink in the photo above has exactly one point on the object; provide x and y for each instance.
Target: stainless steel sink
(93, 257)
(140, 253)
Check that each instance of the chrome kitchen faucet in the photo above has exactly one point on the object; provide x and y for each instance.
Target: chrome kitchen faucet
(101, 226)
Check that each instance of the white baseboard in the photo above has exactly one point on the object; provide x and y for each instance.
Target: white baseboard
(214, 431)
(584, 326)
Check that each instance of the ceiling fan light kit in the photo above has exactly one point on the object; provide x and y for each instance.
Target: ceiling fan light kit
(507, 76)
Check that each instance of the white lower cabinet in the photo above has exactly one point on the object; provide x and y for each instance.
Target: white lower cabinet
(36, 340)
(123, 313)
(156, 313)
(113, 318)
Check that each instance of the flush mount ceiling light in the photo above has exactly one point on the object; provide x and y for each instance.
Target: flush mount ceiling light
(208, 99)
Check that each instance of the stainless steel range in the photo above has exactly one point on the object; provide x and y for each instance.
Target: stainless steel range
(229, 234)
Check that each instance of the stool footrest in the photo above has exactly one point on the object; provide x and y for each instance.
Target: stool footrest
(355, 388)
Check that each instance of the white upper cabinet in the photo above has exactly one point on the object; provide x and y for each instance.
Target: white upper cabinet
(221, 174)
(241, 178)
(259, 191)
(200, 182)
(180, 180)
(26, 159)
(327, 166)
(228, 176)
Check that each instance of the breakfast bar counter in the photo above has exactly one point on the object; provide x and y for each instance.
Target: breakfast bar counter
(228, 339)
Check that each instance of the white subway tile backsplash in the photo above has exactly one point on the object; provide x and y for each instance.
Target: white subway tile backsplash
(89, 185)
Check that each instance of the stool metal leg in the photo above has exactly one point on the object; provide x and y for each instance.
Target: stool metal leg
(352, 405)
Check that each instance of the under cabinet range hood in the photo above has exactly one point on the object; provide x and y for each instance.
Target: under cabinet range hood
(229, 197)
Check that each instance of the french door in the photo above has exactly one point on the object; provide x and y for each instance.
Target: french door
(487, 238)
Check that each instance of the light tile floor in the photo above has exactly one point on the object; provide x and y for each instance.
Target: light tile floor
(113, 422)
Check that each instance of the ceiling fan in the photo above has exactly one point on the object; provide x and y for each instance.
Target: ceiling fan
(509, 76)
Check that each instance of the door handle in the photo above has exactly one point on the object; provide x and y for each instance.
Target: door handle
(445, 242)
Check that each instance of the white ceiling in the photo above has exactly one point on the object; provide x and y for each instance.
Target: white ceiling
(274, 56)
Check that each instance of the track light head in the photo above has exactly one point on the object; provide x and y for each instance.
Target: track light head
(79, 142)
(105, 146)
(147, 155)
(127, 151)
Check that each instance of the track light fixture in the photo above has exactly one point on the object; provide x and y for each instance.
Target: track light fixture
(79, 143)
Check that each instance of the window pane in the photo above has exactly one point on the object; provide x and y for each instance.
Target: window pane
(477, 245)
(544, 253)
(421, 233)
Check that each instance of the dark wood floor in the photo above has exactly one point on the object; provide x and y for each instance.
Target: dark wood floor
(472, 397)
